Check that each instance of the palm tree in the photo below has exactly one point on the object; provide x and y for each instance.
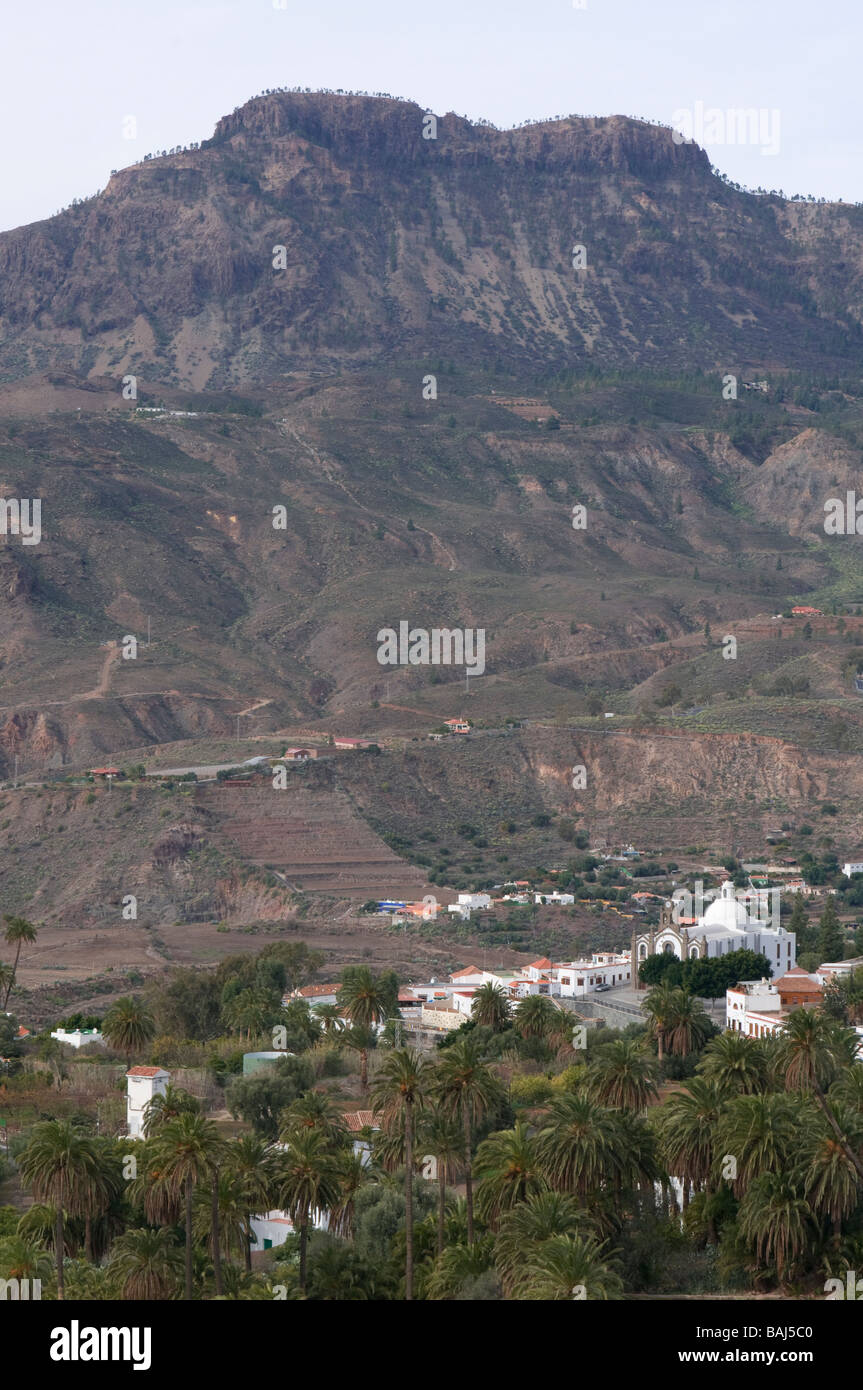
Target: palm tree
(762, 1132)
(571, 1267)
(458, 1265)
(507, 1171)
(250, 1161)
(578, 1145)
(527, 1225)
(316, 1110)
(330, 1018)
(18, 930)
(231, 1223)
(677, 1020)
(60, 1165)
(307, 1181)
(660, 1006)
(400, 1090)
(359, 1040)
(172, 1102)
(128, 1026)
(187, 1150)
(811, 1052)
(147, 1264)
(466, 1088)
(687, 1128)
(22, 1258)
(737, 1060)
(689, 1027)
(490, 1007)
(535, 1016)
(352, 1174)
(7, 979)
(362, 1003)
(830, 1182)
(443, 1139)
(622, 1076)
(776, 1220)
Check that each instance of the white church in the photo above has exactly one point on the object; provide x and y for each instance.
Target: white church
(728, 924)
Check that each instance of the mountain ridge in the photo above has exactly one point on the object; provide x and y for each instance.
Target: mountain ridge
(399, 249)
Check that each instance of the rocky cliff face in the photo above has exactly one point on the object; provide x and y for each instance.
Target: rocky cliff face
(398, 247)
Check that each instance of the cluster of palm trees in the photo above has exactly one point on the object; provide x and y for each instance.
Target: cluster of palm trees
(754, 1161)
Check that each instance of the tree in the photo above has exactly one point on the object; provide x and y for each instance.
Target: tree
(365, 1002)
(187, 1151)
(18, 930)
(528, 1225)
(252, 1011)
(736, 1061)
(810, 1053)
(60, 1164)
(147, 1264)
(762, 1131)
(173, 1101)
(660, 1007)
(490, 1007)
(507, 1170)
(467, 1089)
(687, 1129)
(535, 1016)
(579, 1145)
(128, 1026)
(775, 1218)
(7, 980)
(400, 1090)
(250, 1163)
(831, 1184)
(443, 1139)
(622, 1076)
(831, 937)
(677, 1020)
(306, 1181)
(563, 1264)
(260, 1099)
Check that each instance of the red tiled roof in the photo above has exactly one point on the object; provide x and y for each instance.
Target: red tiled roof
(309, 991)
(359, 1119)
(542, 964)
(801, 983)
(468, 970)
(146, 1071)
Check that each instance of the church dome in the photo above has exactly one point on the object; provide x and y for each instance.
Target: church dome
(726, 911)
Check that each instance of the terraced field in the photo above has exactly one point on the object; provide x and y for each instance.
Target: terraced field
(315, 839)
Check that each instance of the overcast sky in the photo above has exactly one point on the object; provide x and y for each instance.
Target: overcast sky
(73, 72)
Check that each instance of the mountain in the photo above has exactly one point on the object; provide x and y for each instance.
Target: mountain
(401, 249)
(303, 390)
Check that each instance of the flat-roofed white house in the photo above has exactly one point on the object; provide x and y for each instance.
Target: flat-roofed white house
(78, 1037)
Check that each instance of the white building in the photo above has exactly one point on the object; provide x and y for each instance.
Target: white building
(726, 926)
(563, 899)
(854, 866)
(759, 1008)
(578, 978)
(142, 1084)
(78, 1037)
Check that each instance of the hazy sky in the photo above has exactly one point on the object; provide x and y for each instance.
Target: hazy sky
(73, 72)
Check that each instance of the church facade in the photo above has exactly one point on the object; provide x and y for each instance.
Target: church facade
(726, 926)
